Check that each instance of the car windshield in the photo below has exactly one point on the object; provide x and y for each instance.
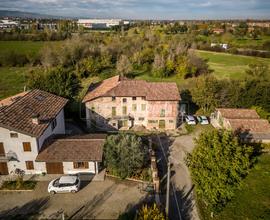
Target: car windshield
(56, 183)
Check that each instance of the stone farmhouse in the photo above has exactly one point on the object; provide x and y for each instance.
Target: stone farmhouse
(246, 122)
(120, 103)
(30, 125)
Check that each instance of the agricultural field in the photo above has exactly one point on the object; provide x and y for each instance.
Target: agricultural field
(229, 66)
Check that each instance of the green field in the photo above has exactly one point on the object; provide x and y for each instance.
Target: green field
(12, 80)
(229, 66)
(252, 201)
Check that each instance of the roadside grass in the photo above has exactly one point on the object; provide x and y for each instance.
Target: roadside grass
(12, 80)
(229, 65)
(252, 201)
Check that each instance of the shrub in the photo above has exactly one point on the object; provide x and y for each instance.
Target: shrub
(149, 213)
(124, 154)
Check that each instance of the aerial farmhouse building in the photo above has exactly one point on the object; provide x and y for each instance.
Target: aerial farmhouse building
(30, 125)
(120, 103)
(246, 122)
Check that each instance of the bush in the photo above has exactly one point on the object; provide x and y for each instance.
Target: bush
(124, 154)
(149, 213)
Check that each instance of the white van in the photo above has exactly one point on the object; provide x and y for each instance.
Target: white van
(64, 184)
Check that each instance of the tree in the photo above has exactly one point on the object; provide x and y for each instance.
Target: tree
(205, 93)
(124, 154)
(218, 164)
(150, 213)
(59, 81)
(158, 69)
(123, 65)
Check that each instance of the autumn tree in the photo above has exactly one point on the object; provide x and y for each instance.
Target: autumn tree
(123, 66)
(150, 213)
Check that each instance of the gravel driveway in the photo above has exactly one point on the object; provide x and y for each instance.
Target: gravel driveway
(99, 200)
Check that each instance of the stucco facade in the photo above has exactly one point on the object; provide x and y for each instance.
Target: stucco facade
(16, 156)
(107, 113)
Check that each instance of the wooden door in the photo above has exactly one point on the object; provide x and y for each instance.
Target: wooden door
(2, 150)
(3, 168)
(161, 124)
(55, 168)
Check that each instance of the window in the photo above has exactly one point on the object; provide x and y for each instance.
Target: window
(113, 98)
(134, 98)
(29, 165)
(171, 121)
(80, 165)
(54, 124)
(143, 107)
(113, 111)
(152, 121)
(26, 146)
(134, 107)
(2, 150)
(13, 135)
(143, 98)
(124, 100)
(141, 119)
(124, 110)
(162, 113)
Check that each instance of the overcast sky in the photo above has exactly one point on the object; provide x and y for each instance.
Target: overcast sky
(145, 9)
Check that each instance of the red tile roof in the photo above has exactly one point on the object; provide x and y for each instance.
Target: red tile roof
(72, 149)
(250, 125)
(11, 99)
(237, 113)
(18, 115)
(115, 86)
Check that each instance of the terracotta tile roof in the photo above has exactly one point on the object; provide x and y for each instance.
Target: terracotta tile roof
(154, 91)
(11, 99)
(18, 115)
(72, 149)
(235, 113)
(97, 90)
(250, 125)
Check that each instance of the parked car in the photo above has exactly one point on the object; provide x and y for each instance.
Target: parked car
(203, 120)
(190, 120)
(65, 184)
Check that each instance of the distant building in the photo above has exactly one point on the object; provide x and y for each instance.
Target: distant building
(224, 46)
(265, 24)
(101, 23)
(4, 24)
(218, 31)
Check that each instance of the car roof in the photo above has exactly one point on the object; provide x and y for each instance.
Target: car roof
(67, 179)
(190, 117)
(203, 117)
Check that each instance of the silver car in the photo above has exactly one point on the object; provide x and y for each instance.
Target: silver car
(65, 184)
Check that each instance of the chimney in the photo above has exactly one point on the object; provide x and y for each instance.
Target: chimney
(35, 119)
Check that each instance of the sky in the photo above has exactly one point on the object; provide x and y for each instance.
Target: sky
(145, 9)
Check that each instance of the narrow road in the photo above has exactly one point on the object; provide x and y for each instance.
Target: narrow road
(182, 203)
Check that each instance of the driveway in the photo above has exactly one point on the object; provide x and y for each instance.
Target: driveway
(182, 203)
(99, 200)
(181, 178)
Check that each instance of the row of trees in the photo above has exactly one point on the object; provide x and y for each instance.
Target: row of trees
(209, 92)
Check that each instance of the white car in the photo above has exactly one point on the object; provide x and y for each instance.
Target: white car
(65, 184)
(203, 120)
(190, 120)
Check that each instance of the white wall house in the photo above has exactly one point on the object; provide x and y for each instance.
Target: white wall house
(32, 137)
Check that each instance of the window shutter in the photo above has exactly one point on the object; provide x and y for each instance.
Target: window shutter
(26, 146)
(86, 165)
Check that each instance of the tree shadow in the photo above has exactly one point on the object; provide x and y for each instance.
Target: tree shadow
(29, 210)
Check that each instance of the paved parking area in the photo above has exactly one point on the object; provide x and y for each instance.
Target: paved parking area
(99, 200)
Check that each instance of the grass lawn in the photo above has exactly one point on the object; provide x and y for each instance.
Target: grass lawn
(228, 65)
(252, 201)
(12, 80)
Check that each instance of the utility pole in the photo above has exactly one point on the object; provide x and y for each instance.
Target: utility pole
(168, 187)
